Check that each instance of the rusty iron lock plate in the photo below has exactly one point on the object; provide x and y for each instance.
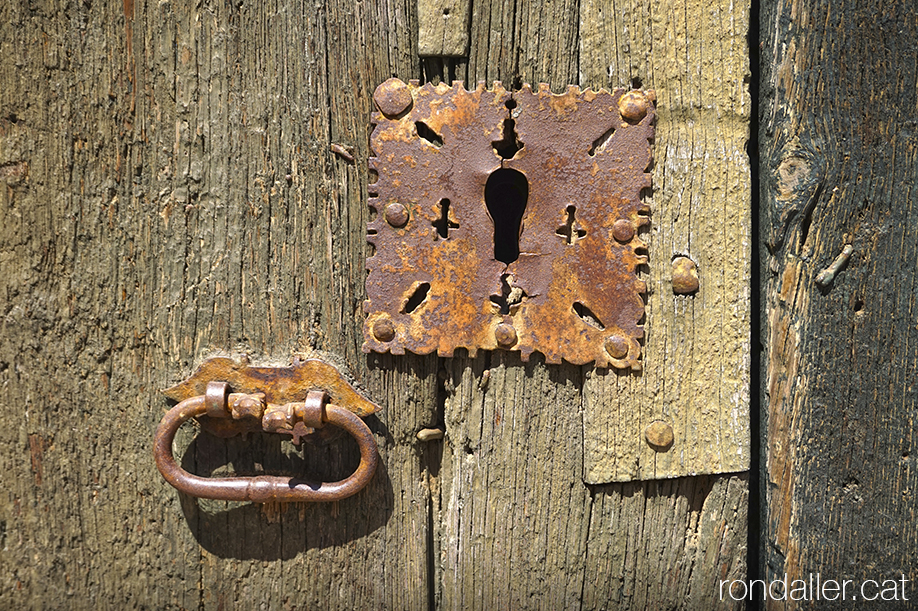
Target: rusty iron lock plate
(508, 220)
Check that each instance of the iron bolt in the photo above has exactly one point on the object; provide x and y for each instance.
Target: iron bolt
(396, 215)
(685, 276)
(275, 418)
(384, 330)
(248, 406)
(430, 434)
(617, 346)
(659, 434)
(392, 97)
(623, 230)
(633, 106)
(505, 335)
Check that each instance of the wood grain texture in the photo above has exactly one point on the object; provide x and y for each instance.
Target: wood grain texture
(181, 200)
(514, 526)
(696, 351)
(518, 529)
(838, 167)
(168, 192)
(443, 27)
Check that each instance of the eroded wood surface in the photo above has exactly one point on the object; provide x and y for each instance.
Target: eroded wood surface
(169, 191)
(696, 352)
(443, 27)
(838, 169)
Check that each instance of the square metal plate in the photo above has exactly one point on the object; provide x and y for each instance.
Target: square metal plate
(508, 220)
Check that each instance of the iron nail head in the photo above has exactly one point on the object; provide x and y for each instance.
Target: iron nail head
(685, 276)
(505, 335)
(633, 106)
(623, 230)
(396, 215)
(392, 97)
(659, 434)
(384, 330)
(617, 346)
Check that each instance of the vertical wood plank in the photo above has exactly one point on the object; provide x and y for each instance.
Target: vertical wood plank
(514, 511)
(516, 525)
(838, 166)
(443, 27)
(168, 192)
(696, 353)
(641, 555)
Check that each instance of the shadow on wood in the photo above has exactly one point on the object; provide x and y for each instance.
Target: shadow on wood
(283, 529)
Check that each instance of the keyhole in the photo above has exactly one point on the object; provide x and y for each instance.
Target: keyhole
(509, 145)
(571, 231)
(444, 224)
(506, 193)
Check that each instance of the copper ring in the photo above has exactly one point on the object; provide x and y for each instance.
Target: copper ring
(263, 488)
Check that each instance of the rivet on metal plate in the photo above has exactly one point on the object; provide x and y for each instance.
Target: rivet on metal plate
(508, 220)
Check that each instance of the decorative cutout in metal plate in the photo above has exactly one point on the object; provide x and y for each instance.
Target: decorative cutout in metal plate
(508, 220)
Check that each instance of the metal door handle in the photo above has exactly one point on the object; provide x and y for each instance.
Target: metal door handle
(314, 412)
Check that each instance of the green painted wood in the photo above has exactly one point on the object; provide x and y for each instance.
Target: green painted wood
(696, 356)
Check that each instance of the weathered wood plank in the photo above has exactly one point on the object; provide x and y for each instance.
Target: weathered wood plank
(696, 353)
(518, 529)
(643, 550)
(516, 525)
(838, 167)
(515, 512)
(443, 28)
(182, 199)
(173, 195)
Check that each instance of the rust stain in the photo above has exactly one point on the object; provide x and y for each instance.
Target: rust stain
(14, 172)
(785, 386)
(36, 450)
(564, 104)
(436, 283)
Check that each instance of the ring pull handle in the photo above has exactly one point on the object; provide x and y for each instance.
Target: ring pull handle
(314, 412)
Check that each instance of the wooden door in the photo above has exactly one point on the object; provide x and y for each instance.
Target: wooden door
(169, 193)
